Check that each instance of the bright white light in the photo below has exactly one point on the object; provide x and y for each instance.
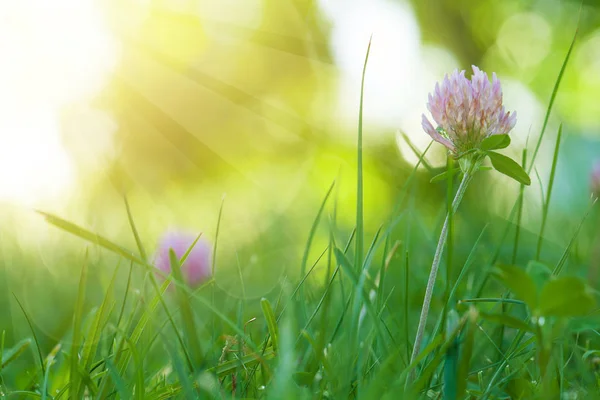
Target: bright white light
(400, 72)
(53, 53)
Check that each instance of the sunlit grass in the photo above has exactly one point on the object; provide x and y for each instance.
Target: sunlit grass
(326, 311)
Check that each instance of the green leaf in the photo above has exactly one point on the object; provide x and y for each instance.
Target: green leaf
(539, 272)
(507, 320)
(271, 321)
(566, 297)
(519, 283)
(444, 175)
(495, 142)
(509, 168)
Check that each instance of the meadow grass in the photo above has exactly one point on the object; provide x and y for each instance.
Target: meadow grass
(502, 325)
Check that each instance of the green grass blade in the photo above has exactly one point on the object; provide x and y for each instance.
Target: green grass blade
(94, 238)
(92, 342)
(9, 355)
(187, 314)
(552, 98)
(513, 212)
(76, 344)
(297, 288)
(313, 230)
(548, 194)
(213, 266)
(140, 383)
(35, 339)
(90, 237)
(359, 288)
(178, 366)
(519, 212)
(271, 322)
(118, 380)
(358, 257)
(46, 382)
(563, 259)
(134, 230)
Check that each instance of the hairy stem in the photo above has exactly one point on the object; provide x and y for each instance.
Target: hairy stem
(436, 264)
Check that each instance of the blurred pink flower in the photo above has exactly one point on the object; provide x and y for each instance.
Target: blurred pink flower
(196, 268)
(595, 179)
(467, 111)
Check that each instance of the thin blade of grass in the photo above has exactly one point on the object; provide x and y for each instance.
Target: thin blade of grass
(359, 183)
(513, 212)
(90, 237)
(134, 230)
(311, 235)
(553, 96)
(90, 345)
(271, 321)
(9, 355)
(548, 194)
(77, 342)
(519, 213)
(563, 259)
(178, 365)
(213, 265)
(187, 314)
(35, 339)
(359, 288)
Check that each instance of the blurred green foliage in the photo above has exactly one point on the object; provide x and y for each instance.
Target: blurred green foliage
(237, 103)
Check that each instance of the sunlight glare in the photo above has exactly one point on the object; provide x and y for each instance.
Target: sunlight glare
(54, 54)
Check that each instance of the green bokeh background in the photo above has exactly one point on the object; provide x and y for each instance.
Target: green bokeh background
(210, 110)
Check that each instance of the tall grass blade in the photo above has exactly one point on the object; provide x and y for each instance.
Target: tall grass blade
(187, 314)
(548, 194)
(35, 338)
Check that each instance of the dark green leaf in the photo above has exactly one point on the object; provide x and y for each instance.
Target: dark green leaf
(519, 283)
(509, 168)
(495, 142)
(566, 297)
(444, 175)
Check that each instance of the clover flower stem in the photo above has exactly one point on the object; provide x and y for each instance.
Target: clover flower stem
(435, 266)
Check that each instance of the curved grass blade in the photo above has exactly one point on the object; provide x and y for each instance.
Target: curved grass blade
(35, 339)
(76, 344)
(546, 203)
(187, 314)
(311, 235)
(553, 96)
(134, 230)
(9, 355)
(271, 322)
(358, 258)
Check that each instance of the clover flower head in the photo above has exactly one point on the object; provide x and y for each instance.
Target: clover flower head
(197, 266)
(467, 111)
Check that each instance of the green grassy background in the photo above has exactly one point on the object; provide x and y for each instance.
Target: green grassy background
(317, 286)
